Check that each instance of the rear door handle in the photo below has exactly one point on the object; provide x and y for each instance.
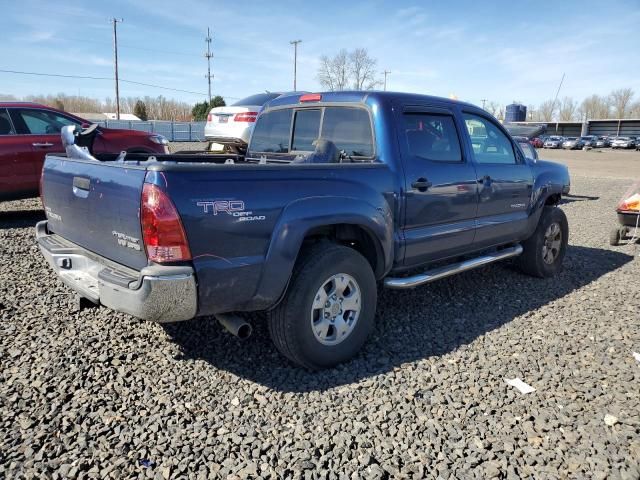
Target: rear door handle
(422, 185)
(42, 145)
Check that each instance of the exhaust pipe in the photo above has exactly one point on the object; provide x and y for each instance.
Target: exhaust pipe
(235, 325)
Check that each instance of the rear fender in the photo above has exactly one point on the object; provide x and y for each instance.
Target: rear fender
(547, 185)
(304, 215)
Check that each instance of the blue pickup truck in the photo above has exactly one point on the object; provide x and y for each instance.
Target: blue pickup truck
(337, 194)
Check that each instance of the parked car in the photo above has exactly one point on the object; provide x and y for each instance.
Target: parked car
(537, 142)
(232, 125)
(28, 131)
(337, 191)
(553, 142)
(623, 142)
(603, 142)
(589, 140)
(572, 143)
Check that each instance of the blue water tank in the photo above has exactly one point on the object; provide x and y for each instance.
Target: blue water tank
(515, 113)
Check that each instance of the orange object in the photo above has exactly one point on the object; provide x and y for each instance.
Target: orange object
(631, 203)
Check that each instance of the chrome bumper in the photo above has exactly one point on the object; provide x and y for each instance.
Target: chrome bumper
(156, 293)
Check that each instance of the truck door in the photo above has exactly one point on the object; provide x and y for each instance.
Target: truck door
(440, 185)
(505, 182)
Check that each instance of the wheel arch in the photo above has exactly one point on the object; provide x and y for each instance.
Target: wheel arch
(353, 222)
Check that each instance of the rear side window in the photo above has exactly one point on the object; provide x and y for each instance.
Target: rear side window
(271, 134)
(6, 128)
(306, 129)
(349, 129)
(432, 137)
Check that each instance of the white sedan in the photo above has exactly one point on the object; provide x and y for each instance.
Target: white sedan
(232, 125)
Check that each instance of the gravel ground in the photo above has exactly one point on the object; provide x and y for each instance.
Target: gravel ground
(96, 394)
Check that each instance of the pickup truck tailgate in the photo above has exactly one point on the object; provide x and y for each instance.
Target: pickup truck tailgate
(96, 205)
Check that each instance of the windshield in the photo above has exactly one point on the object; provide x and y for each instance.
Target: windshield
(259, 99)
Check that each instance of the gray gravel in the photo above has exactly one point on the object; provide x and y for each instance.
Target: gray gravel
(98, 394)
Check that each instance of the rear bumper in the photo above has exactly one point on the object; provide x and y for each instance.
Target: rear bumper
(156, 293)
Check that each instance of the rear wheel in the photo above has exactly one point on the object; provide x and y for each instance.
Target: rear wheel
(544, 251)
(328, 311)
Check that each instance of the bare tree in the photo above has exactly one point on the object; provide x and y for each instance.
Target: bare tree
(545, 111)
(620, 101)
(595, 107)
(363, 69)
(494, 108)
(346, 70)
(568, 109)
(333, 72)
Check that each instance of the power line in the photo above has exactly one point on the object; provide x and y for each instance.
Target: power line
(86, 77)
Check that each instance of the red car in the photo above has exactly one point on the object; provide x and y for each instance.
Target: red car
(537, 142)
(28, 131)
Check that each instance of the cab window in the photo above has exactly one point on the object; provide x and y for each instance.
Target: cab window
(271, 134)
(432, 137)
(349, 129)
(490, 144)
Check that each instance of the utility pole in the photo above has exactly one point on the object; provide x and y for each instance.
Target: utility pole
(295, 61)
(208, 56)
(386, 72)
(115, 61)
(484, 100)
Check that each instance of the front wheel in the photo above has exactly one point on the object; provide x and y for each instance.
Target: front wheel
(329, 308)
(544, 251)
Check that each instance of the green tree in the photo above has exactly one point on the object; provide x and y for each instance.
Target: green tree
(201, 110)
(140, 110)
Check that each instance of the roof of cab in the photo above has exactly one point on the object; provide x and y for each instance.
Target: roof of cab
(361, 96)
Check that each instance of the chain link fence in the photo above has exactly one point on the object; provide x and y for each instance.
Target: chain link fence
(173, 131)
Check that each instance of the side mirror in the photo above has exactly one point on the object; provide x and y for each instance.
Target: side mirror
(85, 125)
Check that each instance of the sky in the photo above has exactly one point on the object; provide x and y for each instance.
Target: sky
(495, 50)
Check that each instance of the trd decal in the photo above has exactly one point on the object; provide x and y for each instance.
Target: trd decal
(235, 208)
(216, 206)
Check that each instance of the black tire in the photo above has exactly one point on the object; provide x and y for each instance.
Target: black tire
(291, 324)
(614, 236)
(532, 261)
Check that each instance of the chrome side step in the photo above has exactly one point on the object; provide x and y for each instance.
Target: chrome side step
(448, 270)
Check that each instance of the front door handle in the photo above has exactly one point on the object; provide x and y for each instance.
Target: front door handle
(422, 185)
(42, 145)
(486, 180)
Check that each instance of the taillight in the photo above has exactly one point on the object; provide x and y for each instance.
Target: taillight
(162, 232)
(245, 117)
(209, 117)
